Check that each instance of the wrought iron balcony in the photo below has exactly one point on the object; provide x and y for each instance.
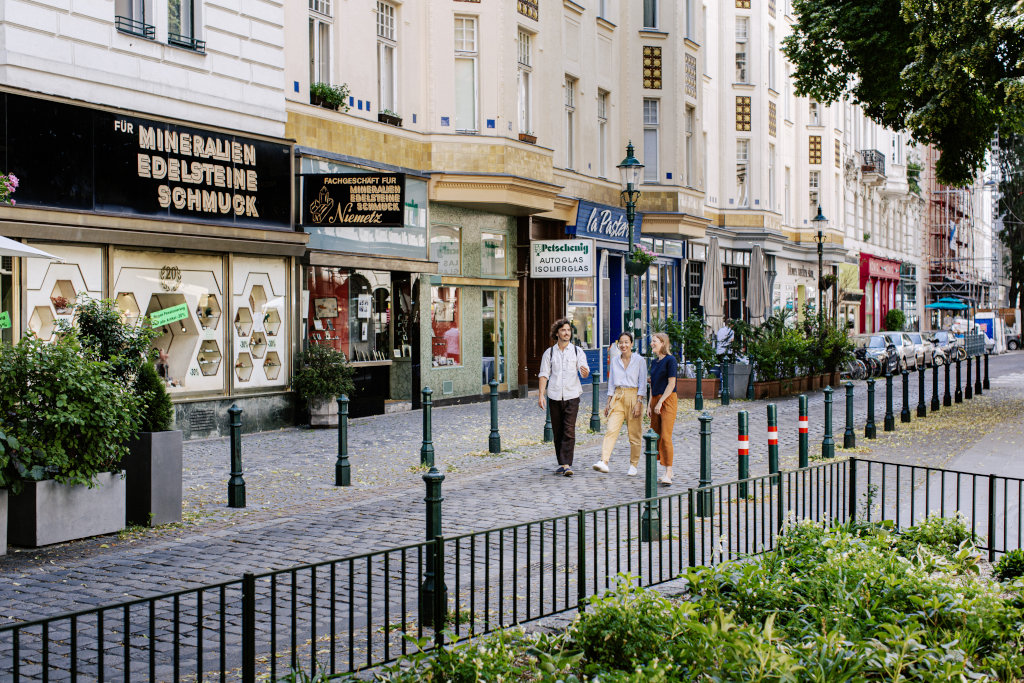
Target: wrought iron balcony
(134, 27)
(187, 42)
(872, 166)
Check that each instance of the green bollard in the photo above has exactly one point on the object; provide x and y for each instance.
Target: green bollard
(427, 449)
(922, 409)
(968, 391)
(849, 438)
(828, 445)
(342, 470)
(803, 434)
(977, 374)
(724, 394)
(549, 434)
(947, 400)
(905, 413)
(986, 383)
(494, 440)
(890, 418)
(650, 522)
(433, 586)
(595, 410)
(698, 396)
(870, 431)
(773, 440)
(236, 485)
(958, 394)
(743, 453)
(704, 497)
(935, 388)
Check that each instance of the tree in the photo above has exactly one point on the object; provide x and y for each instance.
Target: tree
(948, 71)
(1010, 209)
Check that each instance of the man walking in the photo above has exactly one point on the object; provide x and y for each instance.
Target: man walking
(560, 384)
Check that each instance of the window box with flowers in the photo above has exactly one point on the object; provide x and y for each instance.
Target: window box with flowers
(329, 96)
(640, 259)
(389, 117)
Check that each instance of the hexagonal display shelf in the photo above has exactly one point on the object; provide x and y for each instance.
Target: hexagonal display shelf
(272, 322)
(243, 367)
(208, 311)
(128, 306)
(258, 344)
(243, 322)
(209, 357)
(272, 366)
(63, 297)
(257, 298)
(42, 322)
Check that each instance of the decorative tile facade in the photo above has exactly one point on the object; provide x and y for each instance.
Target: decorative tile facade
(528, 8)
(814, 149)
(652, 67)
(771, 8)
(690, 76)
(742, 112)
(742, 4)
(839, 156)
(772, 127)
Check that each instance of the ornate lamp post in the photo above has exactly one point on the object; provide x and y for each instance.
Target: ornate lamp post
(820, 223)
(631, 171)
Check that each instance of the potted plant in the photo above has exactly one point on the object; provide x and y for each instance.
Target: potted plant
(528, 137)
(323, 375)
(694, 340)
(153, 467)
(62, 304)
(329, 96)
(389, 117)
(640, 259)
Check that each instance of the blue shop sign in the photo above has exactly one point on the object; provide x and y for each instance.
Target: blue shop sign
(602, 222)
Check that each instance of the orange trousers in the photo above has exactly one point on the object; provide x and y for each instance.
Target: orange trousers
(662, 424)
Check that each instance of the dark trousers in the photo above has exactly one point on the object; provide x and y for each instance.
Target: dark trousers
(563, 425)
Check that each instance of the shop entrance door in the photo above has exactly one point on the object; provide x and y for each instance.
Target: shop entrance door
(494, 336)
(544, 304)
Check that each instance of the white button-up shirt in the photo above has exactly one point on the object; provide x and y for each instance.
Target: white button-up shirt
(633, 375)
(561, 366)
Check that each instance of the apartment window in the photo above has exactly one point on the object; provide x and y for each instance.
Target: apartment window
(689, 20)
(742, 31)
(814, 149)
(525, 76)
(771, 177)
(742, 112)
(387, 69)
(688, 146)
(321, 7)
(743, 172)
(813, 114)
(465, 74)
(650, 13)
(319, 48)
(814, 189)
(771, 58)
(651, 125)
(131, 17)
(787, 208)
(772, 120)
(787, 112)
(652, 67)
(181, 25)
(602, 8)
(570, 122)
(602, 134)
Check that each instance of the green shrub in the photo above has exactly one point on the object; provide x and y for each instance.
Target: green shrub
(696, 345)
(69, 414)
(323, 374)
(107, 336)
(158, 411)
(1010, 566)
(895, 320)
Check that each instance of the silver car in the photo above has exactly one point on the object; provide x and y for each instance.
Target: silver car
(904, 347)
(925, 350)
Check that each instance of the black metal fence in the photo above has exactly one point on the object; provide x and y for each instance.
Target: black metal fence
(353, 613)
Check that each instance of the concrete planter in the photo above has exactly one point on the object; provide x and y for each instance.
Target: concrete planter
(153, 479)
(323, 413)
(3, 521)
(46, 512)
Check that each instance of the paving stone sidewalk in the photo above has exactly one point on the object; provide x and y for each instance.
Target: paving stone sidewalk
(296, 515)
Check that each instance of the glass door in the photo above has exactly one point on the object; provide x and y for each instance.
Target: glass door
(494, 338)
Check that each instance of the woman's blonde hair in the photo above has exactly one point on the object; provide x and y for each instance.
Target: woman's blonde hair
(664, 340)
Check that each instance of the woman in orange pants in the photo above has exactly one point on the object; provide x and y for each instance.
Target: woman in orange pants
(663, 400)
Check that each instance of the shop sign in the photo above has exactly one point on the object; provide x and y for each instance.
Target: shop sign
(730, 282)
(605, 223)
(169, 315)
(884, 269)
(78, 158)
(353, 200)
(561, 258)
(5, 320)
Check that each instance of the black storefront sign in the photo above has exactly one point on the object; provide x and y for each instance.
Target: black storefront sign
(73, 157)
(353, 200)
(731, 282)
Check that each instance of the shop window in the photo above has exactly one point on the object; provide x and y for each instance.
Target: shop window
(446, 330)
(446, 249)
(582, 311)
(243, 322)
(495, 336)
(129, 307)
(350, 312)
(209, 358)
(208, 312)
(177, 340)
(493, 255)
(272, 322)
(272, 366)
(42, 322)
(258, 344)
(63, 297)
(259, 298)
(243, 367)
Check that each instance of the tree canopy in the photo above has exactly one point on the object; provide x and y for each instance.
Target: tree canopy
(1010, 208)
(948, 71)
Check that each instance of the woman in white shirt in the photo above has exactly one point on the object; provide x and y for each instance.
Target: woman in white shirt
(627, 383)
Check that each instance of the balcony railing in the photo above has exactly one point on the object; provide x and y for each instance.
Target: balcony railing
(872, 161)
(134, 27)
(187, 42)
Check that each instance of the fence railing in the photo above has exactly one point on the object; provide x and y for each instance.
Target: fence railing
(352, 613)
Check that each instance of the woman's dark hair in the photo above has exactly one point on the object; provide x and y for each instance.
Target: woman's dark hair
(557, 325)
(624, 333)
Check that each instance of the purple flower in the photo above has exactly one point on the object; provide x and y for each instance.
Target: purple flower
(12, 180)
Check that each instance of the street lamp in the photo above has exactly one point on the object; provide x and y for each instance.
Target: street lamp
(631, 172)
(820, 223)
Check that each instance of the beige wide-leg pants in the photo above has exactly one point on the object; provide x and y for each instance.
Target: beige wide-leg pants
(620, 409)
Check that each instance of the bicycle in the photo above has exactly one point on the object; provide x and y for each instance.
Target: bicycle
(854, 369)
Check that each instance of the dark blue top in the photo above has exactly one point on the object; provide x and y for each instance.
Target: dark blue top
(661, 371)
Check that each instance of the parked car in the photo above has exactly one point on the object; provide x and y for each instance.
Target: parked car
(924, 348)
(1013, 342)
(905, 347)
(877, 352)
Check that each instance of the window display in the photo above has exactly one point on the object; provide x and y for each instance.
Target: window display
(446, 337)
(54, 287)
(259, 294)
(351, 312)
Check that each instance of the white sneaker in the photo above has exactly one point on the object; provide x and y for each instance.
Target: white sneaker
(631, 472)
(601, 467)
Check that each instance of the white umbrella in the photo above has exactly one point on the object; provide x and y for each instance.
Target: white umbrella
(712, 293)
(9, 247)
(757, 287)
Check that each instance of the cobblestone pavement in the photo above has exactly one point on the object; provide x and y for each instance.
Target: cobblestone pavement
(296, 515)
